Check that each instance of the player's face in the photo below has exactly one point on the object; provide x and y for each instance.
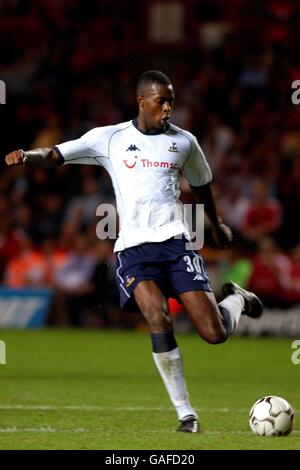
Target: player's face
(155, 106)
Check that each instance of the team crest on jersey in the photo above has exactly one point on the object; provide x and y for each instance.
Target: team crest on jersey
(132, 148)
(129, 280)
(173, 147)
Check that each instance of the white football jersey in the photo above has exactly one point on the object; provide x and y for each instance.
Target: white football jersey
(145, 169)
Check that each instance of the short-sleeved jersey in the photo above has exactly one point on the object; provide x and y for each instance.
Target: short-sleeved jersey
(145, 169)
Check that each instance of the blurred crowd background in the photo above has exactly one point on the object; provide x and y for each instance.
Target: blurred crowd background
(71, 65)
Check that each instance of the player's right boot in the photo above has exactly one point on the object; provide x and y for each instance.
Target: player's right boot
(253, 307)
(189, 424)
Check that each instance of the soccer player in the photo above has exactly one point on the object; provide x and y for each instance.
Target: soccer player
(145, 158)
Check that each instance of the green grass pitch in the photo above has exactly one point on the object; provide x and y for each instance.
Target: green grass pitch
(79, 389)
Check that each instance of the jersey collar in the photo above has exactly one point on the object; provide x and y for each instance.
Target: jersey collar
(153, 132)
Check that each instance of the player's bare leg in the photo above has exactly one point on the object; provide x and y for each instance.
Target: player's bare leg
(166, 353)
(154, 306)
(202, 309)
(215, 322)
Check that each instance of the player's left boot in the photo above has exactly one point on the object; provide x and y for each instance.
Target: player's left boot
(189, 424)
(253, 307)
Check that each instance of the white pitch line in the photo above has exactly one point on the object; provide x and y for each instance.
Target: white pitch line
(51, 430)
(82, 407)
(116, 408)
(42, 429)
(113, 408)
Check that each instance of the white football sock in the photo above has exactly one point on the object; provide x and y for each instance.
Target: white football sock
(170, 368)
(234, 305)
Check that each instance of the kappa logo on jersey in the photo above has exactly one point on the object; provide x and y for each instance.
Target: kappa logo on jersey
(132, 148)
(173, 148)
(129, 281)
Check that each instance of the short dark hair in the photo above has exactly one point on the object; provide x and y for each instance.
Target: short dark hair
(152, 76)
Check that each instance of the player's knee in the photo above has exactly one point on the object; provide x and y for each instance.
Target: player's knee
(214, 335)
(218, 338)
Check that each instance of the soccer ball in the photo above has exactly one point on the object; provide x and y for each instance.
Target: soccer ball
(271, 416)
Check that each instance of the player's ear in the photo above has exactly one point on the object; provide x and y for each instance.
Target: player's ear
(140, 101)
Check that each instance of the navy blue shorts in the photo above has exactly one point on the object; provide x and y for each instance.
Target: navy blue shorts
(174, 268)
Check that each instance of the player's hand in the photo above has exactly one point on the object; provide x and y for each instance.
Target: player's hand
(222, 235)
(15, 158)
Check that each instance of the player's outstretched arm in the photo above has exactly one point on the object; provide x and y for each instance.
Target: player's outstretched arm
(43, 157)
(222, 233)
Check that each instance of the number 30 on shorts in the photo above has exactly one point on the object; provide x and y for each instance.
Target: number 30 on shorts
(193, 264)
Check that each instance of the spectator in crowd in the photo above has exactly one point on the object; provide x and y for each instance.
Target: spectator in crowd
(234, 206)
(263, 214)
(81, 211)
(271, 268)
(291, 283)
(73, 280)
